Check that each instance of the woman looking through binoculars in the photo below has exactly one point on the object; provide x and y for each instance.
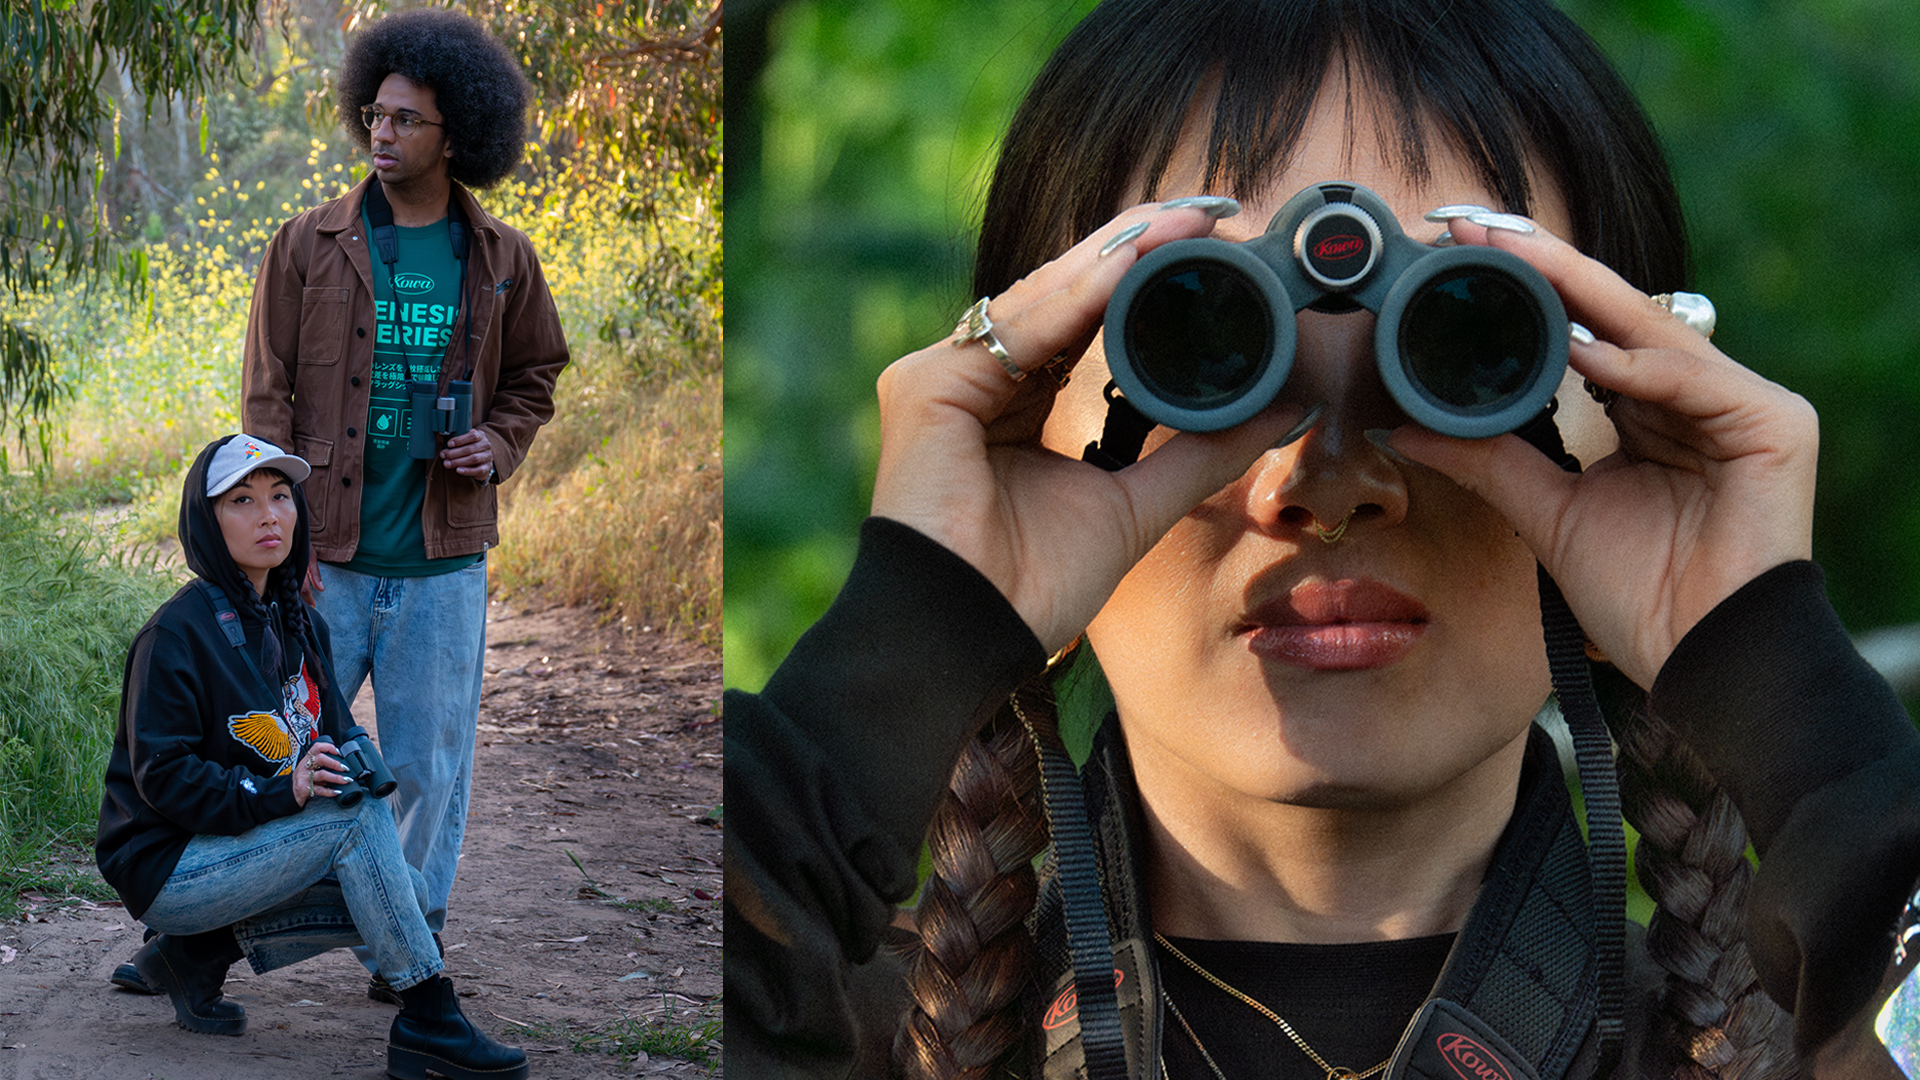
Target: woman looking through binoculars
(223, 827)
(1317, 833)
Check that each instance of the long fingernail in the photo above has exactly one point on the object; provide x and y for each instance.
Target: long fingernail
(1448, 213)
(1298, 430)
(1214, 206)
(1580, 334)
(1378, 436)
(1489, 219)
(1124, 236)
(1445, 239)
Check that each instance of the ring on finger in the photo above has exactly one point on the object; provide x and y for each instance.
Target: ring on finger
(1692, 308)
(975, 326)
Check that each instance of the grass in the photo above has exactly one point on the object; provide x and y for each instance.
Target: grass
(592, 888)
(61, 871)
(619, 503)
(67, 614)
(695, 1037)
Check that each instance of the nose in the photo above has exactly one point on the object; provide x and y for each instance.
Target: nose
(1335, 470)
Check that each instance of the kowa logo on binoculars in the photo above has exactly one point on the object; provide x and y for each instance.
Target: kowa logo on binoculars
(1339, 248)
(1470, 341)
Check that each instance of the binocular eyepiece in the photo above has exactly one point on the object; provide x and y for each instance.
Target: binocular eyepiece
(1470, 341)
(366, 770)
(432, 413)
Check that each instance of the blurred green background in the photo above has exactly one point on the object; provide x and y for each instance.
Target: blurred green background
(864, 132)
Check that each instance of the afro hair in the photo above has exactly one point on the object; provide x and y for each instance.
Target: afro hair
(478, 86)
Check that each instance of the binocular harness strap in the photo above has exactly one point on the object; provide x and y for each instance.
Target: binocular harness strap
(1077, 870)
(386, 243)
(228, 620)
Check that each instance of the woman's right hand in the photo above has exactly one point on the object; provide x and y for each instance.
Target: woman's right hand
(318, 767)
(961, 458)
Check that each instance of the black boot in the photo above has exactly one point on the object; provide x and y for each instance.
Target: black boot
(432, 1033)
(127, 976)
(191, 969)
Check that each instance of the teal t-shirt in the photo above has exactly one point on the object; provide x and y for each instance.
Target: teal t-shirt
(415, 308)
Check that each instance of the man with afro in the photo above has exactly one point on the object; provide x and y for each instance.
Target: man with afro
(374, 316)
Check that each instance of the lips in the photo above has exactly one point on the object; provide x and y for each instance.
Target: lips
(1352, 624)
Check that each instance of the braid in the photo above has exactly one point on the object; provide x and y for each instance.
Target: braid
(973, 966)
(285, 586)
(1719, 1023)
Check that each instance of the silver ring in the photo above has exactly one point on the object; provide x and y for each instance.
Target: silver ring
(975, 326)
(1692, 308)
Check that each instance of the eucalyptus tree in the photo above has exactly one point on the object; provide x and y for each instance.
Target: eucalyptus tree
(59, 123)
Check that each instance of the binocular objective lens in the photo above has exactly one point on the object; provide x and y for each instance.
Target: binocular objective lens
(1471, 339)
(1199, 334)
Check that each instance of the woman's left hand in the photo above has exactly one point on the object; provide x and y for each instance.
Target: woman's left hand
(318, 772)
(1711, 486)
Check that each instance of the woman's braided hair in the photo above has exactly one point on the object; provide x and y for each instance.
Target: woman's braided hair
(1536, 100)
(971, 973)
(1692, 860)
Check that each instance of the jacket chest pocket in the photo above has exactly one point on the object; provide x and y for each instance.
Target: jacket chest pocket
(323, 324)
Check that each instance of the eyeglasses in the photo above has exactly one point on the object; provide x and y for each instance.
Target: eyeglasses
(404, 123)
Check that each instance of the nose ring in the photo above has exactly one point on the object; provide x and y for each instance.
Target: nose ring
(1332, 536)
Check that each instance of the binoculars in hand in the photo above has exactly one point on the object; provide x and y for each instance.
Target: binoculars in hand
(1470, 341)
(433, 413)
(366, 770)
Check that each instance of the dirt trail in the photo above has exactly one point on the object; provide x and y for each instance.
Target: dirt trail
(600, 743)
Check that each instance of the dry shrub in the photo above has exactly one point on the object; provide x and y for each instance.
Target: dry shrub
(618, 504)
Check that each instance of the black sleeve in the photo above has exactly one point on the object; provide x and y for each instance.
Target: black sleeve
(832, 774)
(1824, 763)
(165, 704)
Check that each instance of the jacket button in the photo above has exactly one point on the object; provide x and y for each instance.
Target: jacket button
(360, 330)
(351, 433)
(355, 380)
(346, 481)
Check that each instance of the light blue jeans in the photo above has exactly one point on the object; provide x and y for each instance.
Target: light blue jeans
(328, 877)
(423, 641)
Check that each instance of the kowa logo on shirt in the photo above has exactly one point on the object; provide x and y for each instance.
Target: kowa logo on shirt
(412, 282)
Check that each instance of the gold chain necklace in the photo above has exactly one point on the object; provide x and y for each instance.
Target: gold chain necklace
(1334, 1072)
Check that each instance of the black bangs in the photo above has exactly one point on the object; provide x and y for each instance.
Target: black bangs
(1507, 84)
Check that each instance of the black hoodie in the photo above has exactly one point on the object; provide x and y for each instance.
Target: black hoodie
(206, 743)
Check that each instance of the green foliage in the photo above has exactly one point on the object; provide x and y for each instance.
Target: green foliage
(67, 615)
(1794, 132)
(58, 124)
(855, 186)
(852, 201)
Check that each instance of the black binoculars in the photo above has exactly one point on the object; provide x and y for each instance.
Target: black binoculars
(366, 770)
(433, 413)
(1470, 341)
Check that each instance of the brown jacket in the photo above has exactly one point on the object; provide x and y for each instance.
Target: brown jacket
(307, 373)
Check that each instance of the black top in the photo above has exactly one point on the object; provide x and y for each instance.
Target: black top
(1349, 1002)
(831, 798)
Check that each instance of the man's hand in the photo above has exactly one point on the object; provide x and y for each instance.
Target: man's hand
(470, 455)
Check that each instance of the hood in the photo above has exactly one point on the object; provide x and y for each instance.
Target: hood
(206, 550)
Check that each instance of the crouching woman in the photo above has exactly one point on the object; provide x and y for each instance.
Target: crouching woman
(222, 828)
